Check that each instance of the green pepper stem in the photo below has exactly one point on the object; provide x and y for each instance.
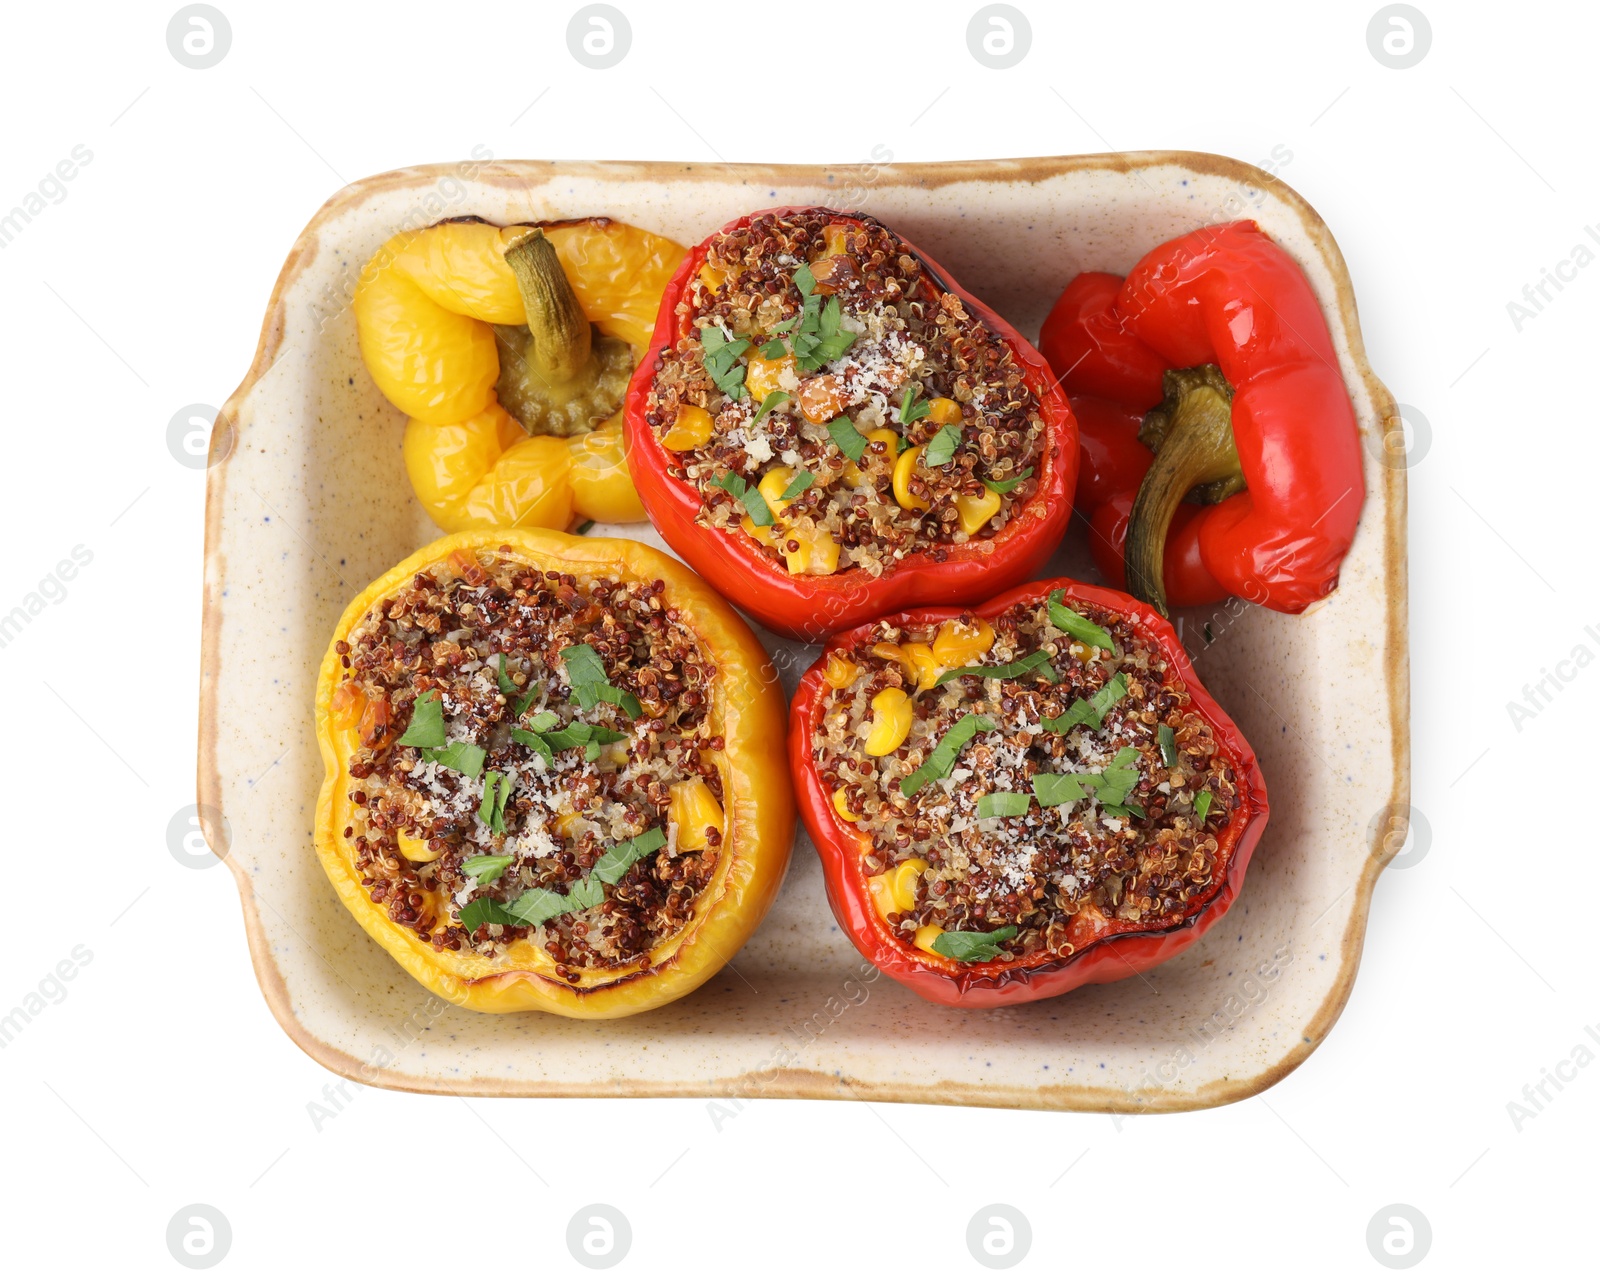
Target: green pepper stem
(1191, 433)
(556, 376)
(560, 337)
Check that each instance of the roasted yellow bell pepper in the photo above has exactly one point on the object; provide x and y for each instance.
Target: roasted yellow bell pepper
(748, 832)
(510, 350)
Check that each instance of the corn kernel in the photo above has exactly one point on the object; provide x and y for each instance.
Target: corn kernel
(692, 807)
(890, 651)
(766, 376)
(903, 469)
(833, 237)
(818, 554)
(415, 849)
(882, 896)
(957, 644)
(691, 428)
(566, 823)
(762, 534)
(891, 449)
(710, 277)
(842, 807)
(974, 511)
(944, 411)
(772, 486)
(903, 880)
(924, 667)
(925, 936)
(891, 721)
(840, 672)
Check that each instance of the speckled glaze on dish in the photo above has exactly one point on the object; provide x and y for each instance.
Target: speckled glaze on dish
(307, 502)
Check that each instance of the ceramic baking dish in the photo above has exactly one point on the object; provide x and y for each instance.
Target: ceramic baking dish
(307, 502)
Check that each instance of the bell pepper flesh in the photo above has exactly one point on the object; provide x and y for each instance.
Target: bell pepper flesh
(758, 813)
(424, 305)
(1107, 949)
(1228, 296)
(807, 607)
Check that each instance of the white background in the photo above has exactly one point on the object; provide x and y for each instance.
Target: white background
(161, 1080)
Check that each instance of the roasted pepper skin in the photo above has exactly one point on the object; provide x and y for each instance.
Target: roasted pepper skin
(1108, 949)
(1229, 296)
(424, 305)
(759, 805)
(808, 607)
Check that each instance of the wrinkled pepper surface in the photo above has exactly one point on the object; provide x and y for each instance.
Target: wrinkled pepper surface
(1104, 946)
(510, 350)
(744, 712)
(1220, 452)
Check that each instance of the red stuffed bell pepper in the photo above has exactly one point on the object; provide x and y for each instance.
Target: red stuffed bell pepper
(1220, 450)
(1015, 801)
(827, 428)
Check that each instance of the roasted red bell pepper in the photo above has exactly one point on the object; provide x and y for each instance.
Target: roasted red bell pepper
(810, 605)
(1208, 375)
(1137, 808)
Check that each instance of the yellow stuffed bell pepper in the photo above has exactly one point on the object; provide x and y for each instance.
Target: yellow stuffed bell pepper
(510, 349)
(555, 776)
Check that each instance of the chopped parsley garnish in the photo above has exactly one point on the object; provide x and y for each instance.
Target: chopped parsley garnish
(584, 527)
(1202, 806)
(1039, 660)
(613, 865)
(1057, 790)
(750, 497)
(1125, 811)
(508, 688)
(544, 721)
(722, 361)
(941, 448)
(912, 407)
(773, 349)
(587, 673)
(1169, 745)
(972, 945)
(1118, 779)
(1003, 486)
(942, 760)
(486, 868)
(771, 401)
(496, 792)
(460, 756)
(817, 336)
(523, 704)
(1091, 711)
(536, 906)
(797, 484)
(847, 438)
(1078, 626)
(1003, 805)
(427, 722)
(482, 912)
(533, 740)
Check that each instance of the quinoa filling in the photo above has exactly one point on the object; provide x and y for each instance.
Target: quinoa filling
(535, 761)
(835, 404)
(1026, 783)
